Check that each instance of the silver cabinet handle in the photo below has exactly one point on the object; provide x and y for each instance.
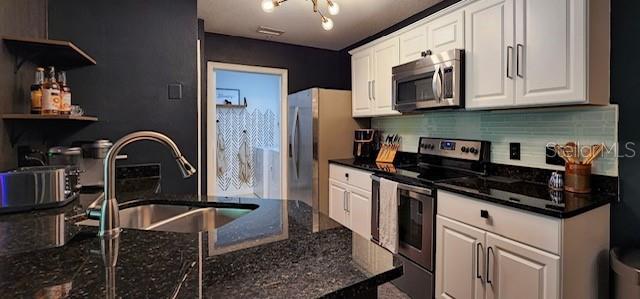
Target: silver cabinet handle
(373, 89)
(489, 254)
(348, 202)
(478, 250)
(519, 54)
(509, 56)
(344, 200)
(369, 89)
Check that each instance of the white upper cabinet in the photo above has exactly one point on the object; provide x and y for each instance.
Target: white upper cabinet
(446, 32)
(386, 55)
(361, 81)
(371, 79)
(413, 43)
(523, 53)
(489, 54)
(550, 51)
(518, 53)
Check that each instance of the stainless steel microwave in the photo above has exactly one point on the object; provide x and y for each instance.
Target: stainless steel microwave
(434, 81)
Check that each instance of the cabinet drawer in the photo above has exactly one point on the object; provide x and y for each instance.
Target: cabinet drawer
(351, 176)
(536, 230)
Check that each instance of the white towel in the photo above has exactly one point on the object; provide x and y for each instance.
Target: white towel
(388, 215)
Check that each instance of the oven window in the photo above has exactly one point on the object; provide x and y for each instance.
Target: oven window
(409, 91)
(410, 220)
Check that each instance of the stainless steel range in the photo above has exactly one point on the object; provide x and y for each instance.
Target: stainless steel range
(438, 159)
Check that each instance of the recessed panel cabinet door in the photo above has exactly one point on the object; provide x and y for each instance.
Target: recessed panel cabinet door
(460, 256)
(550, 51)
(361, 69)
(385, 56)
(520, 271)
(490, 59)
(446, 32)
(360, 212)
(338, 202)
(413, 43)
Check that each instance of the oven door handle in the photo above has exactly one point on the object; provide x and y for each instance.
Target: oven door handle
(410, 188)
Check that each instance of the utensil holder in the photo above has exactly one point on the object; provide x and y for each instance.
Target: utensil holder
(577, 178)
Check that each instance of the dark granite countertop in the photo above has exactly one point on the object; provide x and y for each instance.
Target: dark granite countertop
(506, 185)
(269, 252)
(529, 196)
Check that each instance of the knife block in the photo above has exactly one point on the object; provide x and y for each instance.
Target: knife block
(387, 153)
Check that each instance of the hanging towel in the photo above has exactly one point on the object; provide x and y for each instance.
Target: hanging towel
(389, 215)
(244, 173)
(221, 156)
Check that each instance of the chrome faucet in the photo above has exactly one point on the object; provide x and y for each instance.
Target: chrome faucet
(109, 212)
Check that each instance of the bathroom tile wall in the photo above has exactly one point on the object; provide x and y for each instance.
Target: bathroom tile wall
(532, 128)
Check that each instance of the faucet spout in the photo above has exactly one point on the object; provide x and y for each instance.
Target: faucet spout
(109, 214)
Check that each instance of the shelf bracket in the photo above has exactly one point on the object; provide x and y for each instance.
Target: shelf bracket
(21, 60)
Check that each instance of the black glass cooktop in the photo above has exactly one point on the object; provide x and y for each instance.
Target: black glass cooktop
(430, 174)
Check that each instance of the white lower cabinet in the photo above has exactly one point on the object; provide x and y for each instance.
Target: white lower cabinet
(516, 270)
(350, 198)
(338, 202)
(461, 248)
(475, 260)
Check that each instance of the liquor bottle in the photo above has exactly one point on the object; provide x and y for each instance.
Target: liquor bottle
(36, 92)
(50, 93)
(65, 94)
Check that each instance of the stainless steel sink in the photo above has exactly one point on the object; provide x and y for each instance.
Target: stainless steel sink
(177, 217)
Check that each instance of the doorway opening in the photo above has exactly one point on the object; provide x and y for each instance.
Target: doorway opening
(246, 131)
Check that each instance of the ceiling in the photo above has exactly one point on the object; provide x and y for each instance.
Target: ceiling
(357, 19)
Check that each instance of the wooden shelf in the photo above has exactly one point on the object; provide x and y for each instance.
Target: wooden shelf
(49, 117)
(46, 52)
(230, 106)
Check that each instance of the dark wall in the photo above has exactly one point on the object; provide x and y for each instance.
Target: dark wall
(308, 67)
(21, 18)
(625, 79)
(140, 47)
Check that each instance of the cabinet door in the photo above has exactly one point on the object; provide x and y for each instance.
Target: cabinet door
(359, 202)
(489, 59)
(460, 256)
(385, 56)
(550, 51)
(520, 271)
(361, 69)
(338, 202)
(446, 32)
(413, 43)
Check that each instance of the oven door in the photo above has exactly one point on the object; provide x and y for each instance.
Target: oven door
(416, 210)
(417, 88)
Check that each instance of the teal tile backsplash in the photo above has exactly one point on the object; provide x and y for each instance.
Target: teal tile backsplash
(533, 128)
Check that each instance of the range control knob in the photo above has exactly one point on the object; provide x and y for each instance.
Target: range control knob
(474, 150)
(464, 149)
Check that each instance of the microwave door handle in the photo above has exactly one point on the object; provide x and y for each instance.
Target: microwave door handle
(434, 82)
(438, 91)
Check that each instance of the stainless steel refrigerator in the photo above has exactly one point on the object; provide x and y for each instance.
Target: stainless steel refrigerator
(320, 128)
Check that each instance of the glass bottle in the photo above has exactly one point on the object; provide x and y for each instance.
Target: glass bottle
(50, 93)
(65, 94)
(36, 92)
